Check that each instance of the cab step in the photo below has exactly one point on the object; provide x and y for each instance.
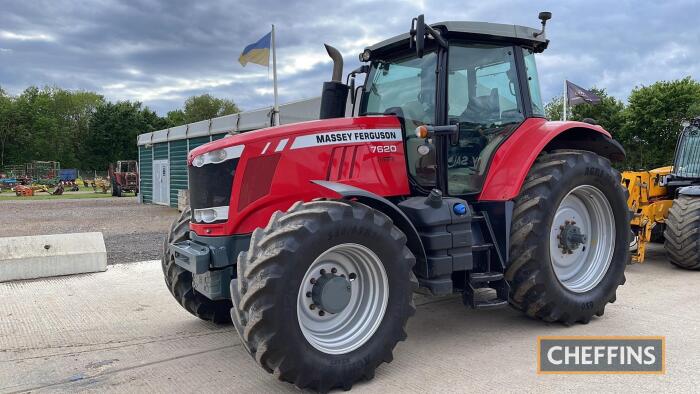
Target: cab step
(491, 304)
(482, 247)
(483, 277)
(484, 298)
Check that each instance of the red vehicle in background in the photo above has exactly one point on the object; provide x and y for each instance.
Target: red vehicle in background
(124, 177)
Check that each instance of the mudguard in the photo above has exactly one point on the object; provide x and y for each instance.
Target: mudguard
(690, 191)
(380, 203)
(514, 158)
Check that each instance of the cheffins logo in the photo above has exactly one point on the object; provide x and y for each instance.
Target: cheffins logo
(603, 355)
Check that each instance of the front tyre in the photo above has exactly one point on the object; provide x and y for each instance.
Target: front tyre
(179, 280)
(683, 232)
(569, 238)
(323, 293)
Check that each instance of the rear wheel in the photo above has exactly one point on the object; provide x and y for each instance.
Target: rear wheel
(179, 281)
(569, 238)
(683, 232)
(323, 294)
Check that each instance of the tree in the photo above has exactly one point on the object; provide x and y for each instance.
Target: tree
(554, 108)
(608, 113)
(45, 124)
(114, 128)
(176, 118)
(77, 128)
(205, 107)
(653, 120)
(7, 124)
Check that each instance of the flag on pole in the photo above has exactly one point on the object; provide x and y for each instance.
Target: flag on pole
(577, 95)
(258, 52)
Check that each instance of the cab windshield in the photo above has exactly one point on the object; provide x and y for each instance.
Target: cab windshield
(483, 97)
(407, 84)
(688, 159)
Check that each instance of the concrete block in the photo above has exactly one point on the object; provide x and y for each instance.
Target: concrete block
(41, 256)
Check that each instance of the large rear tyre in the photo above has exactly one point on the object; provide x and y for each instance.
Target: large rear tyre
(179, 281)
(683, 232)
(323, 294)
(569, 238)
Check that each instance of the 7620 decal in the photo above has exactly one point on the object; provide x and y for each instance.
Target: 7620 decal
(383, 148)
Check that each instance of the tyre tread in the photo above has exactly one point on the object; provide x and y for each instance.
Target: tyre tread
(179, 280)
(253, 291)
(682, 233)
(527, 290)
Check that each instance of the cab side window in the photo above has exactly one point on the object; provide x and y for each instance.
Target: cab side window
(533, 83)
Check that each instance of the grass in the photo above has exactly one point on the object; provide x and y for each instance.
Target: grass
(8, 196)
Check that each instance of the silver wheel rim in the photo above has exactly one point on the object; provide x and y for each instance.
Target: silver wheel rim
(581, 269)
(347, 330)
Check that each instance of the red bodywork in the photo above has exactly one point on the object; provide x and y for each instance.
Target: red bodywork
(513, 159)
(356, 164)
(377, 167)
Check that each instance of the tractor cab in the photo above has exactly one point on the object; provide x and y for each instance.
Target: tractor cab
(479, 78)
(126, 166)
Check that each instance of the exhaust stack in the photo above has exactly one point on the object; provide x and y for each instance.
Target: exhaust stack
(337, 62)
(334, 95)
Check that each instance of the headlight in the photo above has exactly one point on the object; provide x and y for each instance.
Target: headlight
(210, 215)
(218, 156)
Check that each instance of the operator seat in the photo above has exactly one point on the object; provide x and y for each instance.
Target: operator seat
(483, 108)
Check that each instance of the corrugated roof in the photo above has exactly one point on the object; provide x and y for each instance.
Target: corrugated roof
(297, 111)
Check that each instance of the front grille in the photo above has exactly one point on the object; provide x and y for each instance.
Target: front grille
(210, 185)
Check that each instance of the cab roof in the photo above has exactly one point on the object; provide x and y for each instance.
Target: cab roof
(478, 31)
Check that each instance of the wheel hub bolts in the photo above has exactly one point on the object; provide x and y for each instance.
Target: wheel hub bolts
(570, 237)
(331, 293)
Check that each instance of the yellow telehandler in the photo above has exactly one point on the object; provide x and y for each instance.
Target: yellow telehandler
(665, 203)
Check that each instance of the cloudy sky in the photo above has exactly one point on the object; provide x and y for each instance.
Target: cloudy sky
(162, 51)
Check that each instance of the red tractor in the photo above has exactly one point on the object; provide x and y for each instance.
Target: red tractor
(124, 177)
(312, 237)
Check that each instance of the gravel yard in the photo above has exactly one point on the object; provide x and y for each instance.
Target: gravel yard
(132, 231)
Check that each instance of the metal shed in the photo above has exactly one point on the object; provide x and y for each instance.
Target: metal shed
(163, 153)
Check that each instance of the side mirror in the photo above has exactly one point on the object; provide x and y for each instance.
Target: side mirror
(417, 33)
(353, 93)
(350, 81)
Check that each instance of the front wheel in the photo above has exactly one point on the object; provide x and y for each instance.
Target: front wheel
(323, 294)
(569, 238)
(179, 281)
(683, 232)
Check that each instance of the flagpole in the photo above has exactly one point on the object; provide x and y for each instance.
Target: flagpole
(276, 108)
(566, 98)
